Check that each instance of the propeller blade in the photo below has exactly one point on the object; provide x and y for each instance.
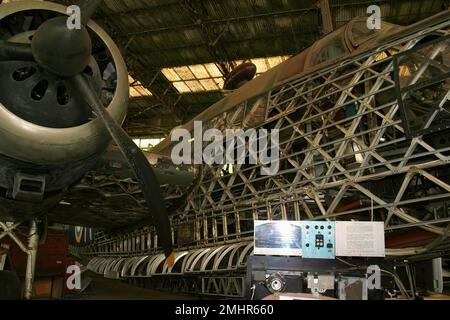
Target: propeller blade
(137, 161)
(88, 8)
(15, 51)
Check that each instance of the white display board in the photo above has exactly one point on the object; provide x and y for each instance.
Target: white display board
(278, 238)
(360, 239)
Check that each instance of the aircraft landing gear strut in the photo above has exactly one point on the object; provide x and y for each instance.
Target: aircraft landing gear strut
(30, 249)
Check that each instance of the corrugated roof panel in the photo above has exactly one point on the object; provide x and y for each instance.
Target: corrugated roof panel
(143, 91)
(207, 77)
(195, 86)
(213, 70)
(265, 64)
(274, 61)
(220, 82)
(181, 87)
(184, 73)
(131, 80)
(199, 71)
(209, 85)
(134, 93)
(137, 89)
(261, 65)
(171, 75)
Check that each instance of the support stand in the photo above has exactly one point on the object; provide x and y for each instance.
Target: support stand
(30, 250)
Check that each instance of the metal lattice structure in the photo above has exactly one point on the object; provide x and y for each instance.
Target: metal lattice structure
(345, 154)
(327, 157)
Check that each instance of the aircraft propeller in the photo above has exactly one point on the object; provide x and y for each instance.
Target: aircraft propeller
(66, 53)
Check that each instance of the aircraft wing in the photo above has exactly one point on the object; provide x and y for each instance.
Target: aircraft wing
(109, 196)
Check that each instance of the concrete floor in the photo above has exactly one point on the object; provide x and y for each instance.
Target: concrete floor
(107, 289)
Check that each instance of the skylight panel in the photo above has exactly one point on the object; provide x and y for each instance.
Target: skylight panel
(199, 72)
(195, 86)
(207, 77)
(184, 73)
(137, 90)
(171, 75)
(261, 65)
(209, 85)
(181, 87)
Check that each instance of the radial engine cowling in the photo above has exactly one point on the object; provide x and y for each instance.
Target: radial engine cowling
(54, 126)
(49, 136)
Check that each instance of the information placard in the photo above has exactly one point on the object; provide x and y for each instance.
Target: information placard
(360, 239)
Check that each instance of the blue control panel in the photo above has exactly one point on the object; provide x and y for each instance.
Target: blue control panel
(318, 240)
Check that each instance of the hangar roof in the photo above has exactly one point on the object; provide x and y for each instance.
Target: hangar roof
(178, 51)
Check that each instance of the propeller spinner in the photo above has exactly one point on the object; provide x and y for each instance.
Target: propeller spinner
(62, 51)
